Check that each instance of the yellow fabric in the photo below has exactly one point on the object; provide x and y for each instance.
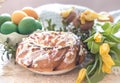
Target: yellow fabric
(103, 16)
(88, 15)
(82, 18)
(81, 75)
(66, 13)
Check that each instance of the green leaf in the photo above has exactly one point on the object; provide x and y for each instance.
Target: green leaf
(117, 62)
(116, 55)
(94, 47)
(112, 38)
(98, 75)
(112, 44)
(106, 26)
(89, 44)
(115, 28)
(100, 63)
(88, 79)
(89, 67)
(89, 39)
(93, 66)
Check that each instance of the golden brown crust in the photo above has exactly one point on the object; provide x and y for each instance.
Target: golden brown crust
(58, 51)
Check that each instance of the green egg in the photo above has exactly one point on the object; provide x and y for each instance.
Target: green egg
(8, 27)
(4, 17)
(27, 25)
(38, 25)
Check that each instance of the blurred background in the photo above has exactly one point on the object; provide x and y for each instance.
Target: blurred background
(8, 6)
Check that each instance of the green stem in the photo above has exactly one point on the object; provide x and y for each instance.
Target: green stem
(94, 65)
(100, 64)
(88, 79)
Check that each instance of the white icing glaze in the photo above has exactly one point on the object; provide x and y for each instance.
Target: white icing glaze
(81, 52)
(70, 56)
(43, 40)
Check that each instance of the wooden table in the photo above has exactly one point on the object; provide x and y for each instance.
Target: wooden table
(13, 73)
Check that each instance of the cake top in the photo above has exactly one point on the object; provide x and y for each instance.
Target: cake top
(52, 39)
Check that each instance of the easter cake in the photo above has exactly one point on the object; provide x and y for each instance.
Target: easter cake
(50, 51)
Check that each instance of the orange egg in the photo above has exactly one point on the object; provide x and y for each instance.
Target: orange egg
(17, 16)
(30, 12)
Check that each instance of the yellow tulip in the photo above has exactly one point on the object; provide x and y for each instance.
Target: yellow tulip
(107, 64)
(106, 69)
(98, 37)
(81, 75)
(104, 49)
(106, 58)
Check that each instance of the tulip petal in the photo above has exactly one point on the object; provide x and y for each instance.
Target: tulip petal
(81, 75)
